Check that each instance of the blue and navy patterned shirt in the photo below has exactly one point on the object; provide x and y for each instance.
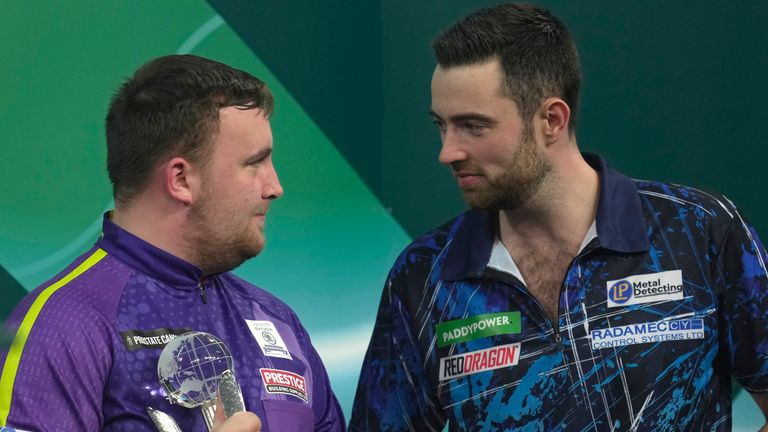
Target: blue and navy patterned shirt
(656, 312)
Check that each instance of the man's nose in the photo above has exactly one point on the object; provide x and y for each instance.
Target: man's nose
(451, 151)
(272, 188)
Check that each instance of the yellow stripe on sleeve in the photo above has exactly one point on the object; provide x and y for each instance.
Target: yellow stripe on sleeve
(11, 367)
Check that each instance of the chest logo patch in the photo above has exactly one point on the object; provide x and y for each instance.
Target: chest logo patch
(277, 381)
(472, 362)
(649, 332)
(265, 333)
(646, 288)
(150, 339)
(476, 327)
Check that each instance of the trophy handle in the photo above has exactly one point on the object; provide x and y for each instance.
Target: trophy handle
(230, 394)
(163, 422)
(230, 397)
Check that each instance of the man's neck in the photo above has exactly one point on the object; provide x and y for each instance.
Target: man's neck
(159, 226)
(560, 214)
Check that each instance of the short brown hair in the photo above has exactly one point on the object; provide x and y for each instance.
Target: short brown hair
(169, 107)
(535, 49)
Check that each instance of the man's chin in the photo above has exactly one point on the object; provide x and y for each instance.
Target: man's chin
(475, 199)
(254, 248)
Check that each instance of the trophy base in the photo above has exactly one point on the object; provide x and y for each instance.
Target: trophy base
(209, 411)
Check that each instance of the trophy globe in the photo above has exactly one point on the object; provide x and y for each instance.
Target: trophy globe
(190, 367)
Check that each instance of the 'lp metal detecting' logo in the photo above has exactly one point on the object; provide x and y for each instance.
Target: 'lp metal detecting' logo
(662, 286)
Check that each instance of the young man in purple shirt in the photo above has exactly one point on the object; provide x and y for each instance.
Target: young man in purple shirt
(189, 151)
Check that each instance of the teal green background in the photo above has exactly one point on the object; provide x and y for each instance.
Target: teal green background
(673, 91)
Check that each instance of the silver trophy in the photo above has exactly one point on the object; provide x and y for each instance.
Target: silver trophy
(193, 368)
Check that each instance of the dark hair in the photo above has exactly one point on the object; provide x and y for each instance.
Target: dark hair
(537, 54)
(170, 107)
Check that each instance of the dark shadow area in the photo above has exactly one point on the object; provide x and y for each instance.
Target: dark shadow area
(11, 292)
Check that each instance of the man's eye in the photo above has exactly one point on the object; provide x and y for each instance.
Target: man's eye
(439, 125)
(473, 127)
(257, 161)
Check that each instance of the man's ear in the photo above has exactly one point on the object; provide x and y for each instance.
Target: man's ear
(179, 180)
(554, 114)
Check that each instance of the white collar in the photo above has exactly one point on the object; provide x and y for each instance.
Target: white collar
(502, 261)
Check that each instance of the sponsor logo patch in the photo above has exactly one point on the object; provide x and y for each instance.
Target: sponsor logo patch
(476, 327)
(646, 288)
(269, 339)
(472, 362)
(150, 339)
(649, 332)
(278, 381)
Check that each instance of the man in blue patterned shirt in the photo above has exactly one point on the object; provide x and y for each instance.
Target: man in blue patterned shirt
(570, 297)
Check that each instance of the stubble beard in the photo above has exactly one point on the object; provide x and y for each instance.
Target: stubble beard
(215, 247)
(518, 184)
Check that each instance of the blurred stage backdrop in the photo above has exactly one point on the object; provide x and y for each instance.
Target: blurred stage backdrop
(673, 91)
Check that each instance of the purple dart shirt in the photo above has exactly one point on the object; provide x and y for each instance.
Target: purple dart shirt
(90, 358)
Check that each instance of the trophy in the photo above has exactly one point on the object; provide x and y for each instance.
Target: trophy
(193, 368)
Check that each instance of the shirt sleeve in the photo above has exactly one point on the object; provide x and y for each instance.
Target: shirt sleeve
(53, 376)
(328, 414)
(394, 392)
(741, 266)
